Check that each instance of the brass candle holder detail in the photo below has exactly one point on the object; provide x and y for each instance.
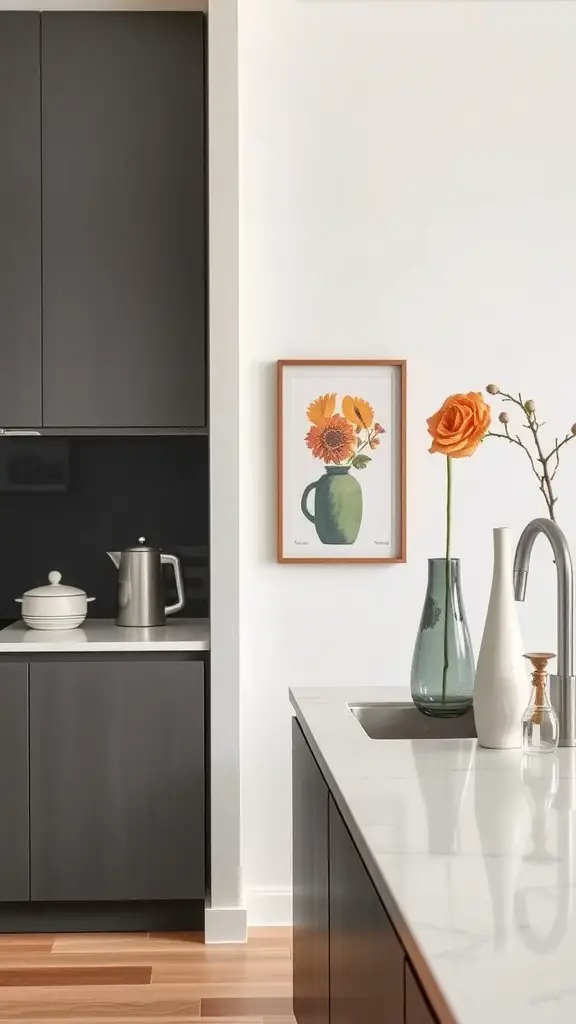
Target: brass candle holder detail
(540, 729)
(539, 679)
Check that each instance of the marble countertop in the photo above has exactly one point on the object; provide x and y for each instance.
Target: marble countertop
(105, 635)
(473, 852)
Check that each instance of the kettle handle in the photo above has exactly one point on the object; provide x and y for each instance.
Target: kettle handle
(175, 563)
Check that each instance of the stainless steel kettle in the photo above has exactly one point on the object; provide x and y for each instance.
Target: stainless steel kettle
(141, 586)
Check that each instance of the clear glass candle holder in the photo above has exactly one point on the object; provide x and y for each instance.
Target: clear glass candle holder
(540, 727)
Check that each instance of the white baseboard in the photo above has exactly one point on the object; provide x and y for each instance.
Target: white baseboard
(224, 924)
(269, 906)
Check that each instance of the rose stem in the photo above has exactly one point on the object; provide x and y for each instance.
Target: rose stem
(447, 577)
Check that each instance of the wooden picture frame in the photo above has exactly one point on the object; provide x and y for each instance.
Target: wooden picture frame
(348, 417)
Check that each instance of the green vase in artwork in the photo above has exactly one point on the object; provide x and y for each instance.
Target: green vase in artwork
(337, 506)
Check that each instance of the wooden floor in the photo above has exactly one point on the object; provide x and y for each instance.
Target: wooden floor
(146, 979)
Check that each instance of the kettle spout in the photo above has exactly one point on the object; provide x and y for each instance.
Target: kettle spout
(115, 556)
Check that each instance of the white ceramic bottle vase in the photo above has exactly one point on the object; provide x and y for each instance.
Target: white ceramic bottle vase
(501, 687)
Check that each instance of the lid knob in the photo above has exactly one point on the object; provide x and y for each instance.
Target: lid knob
(54, 578)
(141, 540)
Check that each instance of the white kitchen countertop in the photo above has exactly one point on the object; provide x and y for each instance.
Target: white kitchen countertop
(473, 852)
(105, 635)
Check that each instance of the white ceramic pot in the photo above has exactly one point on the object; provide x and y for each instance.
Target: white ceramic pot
(56, 606)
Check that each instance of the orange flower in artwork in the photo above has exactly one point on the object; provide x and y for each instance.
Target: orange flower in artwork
(321, 409)
(358, 411)
(333, 439)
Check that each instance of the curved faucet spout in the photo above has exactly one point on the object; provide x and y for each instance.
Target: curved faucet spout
(565, 585)
(562, 685)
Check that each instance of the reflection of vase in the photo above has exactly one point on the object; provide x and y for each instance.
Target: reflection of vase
(337, 506)
(431, 692)
(443, 793)
(503, 826)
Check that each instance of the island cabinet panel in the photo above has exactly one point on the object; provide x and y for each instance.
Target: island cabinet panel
(14, 863)
(366, 957)
(117, 780)
(417, 1009)
(20, 221)
(310, 886)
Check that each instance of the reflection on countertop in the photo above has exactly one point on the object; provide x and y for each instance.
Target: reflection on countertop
(473, 853)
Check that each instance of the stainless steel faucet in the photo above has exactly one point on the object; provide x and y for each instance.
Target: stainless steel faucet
(562, 685)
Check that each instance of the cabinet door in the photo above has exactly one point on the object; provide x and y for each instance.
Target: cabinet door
(417, 1009)
(117, 780)
(14, 839)
(20, 221)
(366, 958)
(123, 219)
(310, 886)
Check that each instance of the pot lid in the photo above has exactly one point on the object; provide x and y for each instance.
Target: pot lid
(55, 588)
(142, 546)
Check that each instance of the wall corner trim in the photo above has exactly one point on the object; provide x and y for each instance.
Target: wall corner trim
(225, 925)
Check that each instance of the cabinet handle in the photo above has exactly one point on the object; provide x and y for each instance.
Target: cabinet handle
(20, 433)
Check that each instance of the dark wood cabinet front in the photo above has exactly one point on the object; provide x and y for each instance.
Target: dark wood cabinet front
(117, 780)
(366, 957)
(417, 1009)
(123, 200)
(20, 221)
(14, 836)
(310, 886)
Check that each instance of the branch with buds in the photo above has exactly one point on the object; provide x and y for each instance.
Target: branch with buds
(543, 466)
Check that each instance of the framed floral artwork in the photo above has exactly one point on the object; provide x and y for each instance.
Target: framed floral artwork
(342, 460)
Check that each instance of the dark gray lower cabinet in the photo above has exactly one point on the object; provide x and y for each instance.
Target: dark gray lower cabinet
(417, 1009)
(117, 780)
(14, 863)
(310, 886)
(366, 957)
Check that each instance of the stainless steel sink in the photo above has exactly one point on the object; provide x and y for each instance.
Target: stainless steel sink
(405, 722)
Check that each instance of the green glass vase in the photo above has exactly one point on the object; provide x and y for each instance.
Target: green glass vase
(442, 678)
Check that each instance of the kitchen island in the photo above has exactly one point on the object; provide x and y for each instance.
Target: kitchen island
(434, 880)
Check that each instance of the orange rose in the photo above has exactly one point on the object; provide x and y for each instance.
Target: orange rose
(459, 426)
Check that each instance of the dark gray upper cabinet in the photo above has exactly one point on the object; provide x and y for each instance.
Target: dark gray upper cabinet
(310, 886)
(117, 780)
(366, 957)
(417, 1009)
(20, 221)
(123, 186)
(14, 850)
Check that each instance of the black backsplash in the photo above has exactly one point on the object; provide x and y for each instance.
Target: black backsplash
(65, 503)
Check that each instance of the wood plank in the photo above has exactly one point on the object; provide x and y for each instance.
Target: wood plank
(238, 1007)
(26, 943)
(100, 1003)
(38, 976)
(128, 943)
(168, 1020)
(235, 971)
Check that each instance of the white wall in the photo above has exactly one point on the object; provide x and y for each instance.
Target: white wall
(407, 189)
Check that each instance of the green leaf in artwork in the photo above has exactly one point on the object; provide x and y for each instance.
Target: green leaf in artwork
(361, 461)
